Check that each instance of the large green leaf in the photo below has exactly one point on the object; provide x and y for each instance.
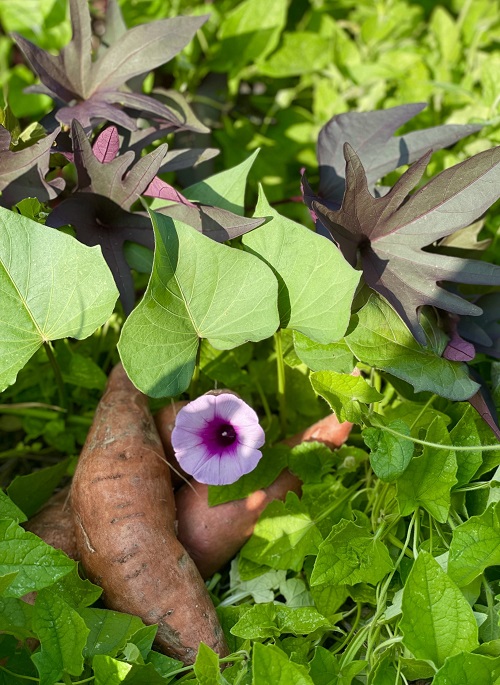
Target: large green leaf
(51, 287)
(381, 339)
(316, 284)
(198, 289)
(437, 619)
(225, 189)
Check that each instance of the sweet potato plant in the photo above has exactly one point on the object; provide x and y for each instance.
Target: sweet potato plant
(249, 427)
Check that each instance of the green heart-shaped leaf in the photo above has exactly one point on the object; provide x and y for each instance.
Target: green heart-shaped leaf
(51, 287)
(198, 289)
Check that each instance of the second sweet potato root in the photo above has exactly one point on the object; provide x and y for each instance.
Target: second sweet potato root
(124, 523)
(213, 535)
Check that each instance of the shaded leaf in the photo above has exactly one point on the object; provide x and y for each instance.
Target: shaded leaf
(316, 285)
(371, 134)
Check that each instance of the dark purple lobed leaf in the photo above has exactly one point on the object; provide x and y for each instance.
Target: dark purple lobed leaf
(388, 233)
(371, 134)
(117, 179)
(142, 49)
(99, 221)
(22, 173)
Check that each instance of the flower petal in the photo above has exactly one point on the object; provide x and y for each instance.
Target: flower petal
(197, 414)
(235, 410)
(251, 436)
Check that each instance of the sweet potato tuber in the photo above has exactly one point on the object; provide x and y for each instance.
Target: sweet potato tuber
(124, 524)
(213, 535)
(54, 524)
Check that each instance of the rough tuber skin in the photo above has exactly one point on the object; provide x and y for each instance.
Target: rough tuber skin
(124, 515)
(213, 535)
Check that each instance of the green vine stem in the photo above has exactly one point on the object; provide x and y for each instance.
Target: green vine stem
(63, 399)
(280, 366)
(454, 448)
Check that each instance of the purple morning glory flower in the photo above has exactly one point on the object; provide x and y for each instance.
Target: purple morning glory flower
(216, 438)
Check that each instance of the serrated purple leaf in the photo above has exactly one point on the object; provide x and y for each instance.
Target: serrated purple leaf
(143, 49)
(484, 330)
(106, 145)
(76, 56)
(115, 26)
(483, 403)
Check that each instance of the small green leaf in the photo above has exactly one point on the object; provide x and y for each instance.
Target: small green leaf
(62, 634)
(109, 631)
(437, 620)
(78, 293)
(389, 454)
(30, 492)
(271, 665)
(475, 545)
(382, 340)
(16, 617)
(110, 671)
(248, 34)
(468, 669)
(466, 434)
(332, 357)
(350, 555)
(284, 535)
(79, 370)
(344, 393)
(428, 479)
(272, 620)
(206, 667)
(316, 284)
(224, 295)
(38, 564)
(225, 189)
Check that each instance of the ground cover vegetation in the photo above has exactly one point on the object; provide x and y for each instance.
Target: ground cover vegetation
(297, 202)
